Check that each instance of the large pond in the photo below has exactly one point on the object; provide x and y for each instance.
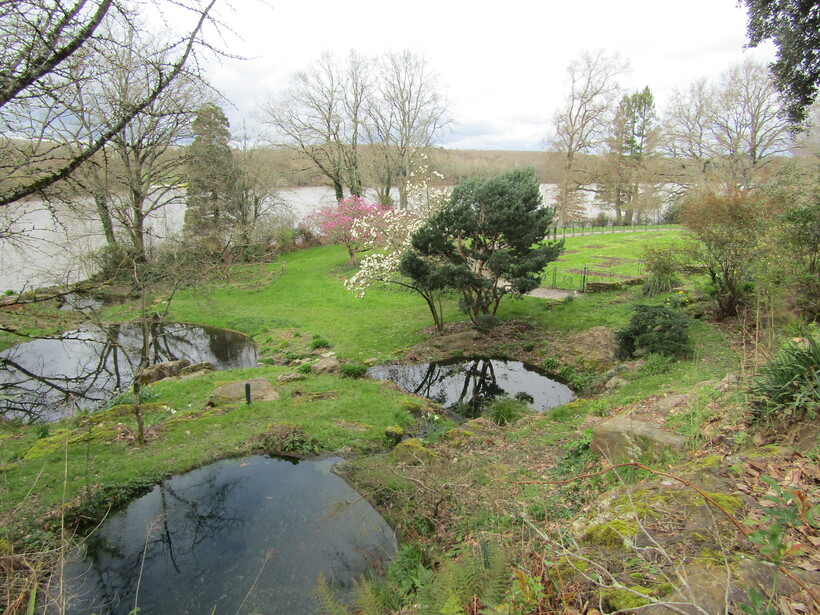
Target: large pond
(239, 536)
(466, 384)
(83, 369)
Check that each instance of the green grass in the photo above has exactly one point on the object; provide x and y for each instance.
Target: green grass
(310, 297)
(618, 255)
(306, 298)
(336, 414)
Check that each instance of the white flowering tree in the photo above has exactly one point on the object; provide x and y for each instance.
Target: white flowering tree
(394, 232)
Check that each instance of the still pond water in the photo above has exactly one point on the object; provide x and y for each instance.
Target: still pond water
(238, 536)
(465, 384)
(82, 370)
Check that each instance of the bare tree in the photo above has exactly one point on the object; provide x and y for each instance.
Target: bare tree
(748, 122)
(580, 126)
(727, 131)
(334, 107)
(137, 172)
(686, 129)
(321, 116)
(39, 37)
(256, 204)
(405, 117)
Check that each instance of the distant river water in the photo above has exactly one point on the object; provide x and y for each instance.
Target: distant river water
(54, 249)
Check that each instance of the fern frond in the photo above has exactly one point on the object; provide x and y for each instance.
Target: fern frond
(327, 602)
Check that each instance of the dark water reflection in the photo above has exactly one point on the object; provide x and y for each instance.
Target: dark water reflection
(51, 378)
(239, 536)
(468, 383)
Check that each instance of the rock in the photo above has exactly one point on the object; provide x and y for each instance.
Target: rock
(707, 593)
(706, 384)
(293, 377)
(261, 390)
(615, 383)
(727, 382)
(667, 404)
(325, 365)
(328, 355)
(371, 361)
(394, 433)
(198, 368)
(457, 341)
(160, 371)
(623, 439)
(412, 452)
(708, 586)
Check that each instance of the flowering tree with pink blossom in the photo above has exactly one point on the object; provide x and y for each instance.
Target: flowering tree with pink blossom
(336, 224)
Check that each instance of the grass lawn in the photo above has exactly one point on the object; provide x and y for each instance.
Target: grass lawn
(609, 257)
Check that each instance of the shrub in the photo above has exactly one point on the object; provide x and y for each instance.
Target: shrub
(663, 268)
(789, 384)
(352, 370)
(657, 364)
(654, 329)
(549, 364)
(319, 342)
(505, 410)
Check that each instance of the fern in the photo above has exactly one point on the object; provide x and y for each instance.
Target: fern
(328, 604)
(480, 571)
(368, 599)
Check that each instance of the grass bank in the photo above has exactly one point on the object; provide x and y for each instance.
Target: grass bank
(472, 482)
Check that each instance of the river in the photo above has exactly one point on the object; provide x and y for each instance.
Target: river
(55, 250)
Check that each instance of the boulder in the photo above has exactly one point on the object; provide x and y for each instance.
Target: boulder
(621, 438)
(615, 383)
(457, 342)
(232, 392)
(412, 452)
(667, 404)
(292, 377)
(325, 365)
(197, 369)
(160, 371)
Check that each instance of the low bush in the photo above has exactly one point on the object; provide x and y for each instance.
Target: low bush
(353, 370)
(789, 384)
(319, 342)
(505, 410)
(663, 270)
(654, 329)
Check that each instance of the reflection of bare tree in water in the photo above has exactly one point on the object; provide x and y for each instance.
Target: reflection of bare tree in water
(88, 366)
(479, 384)
(185, 518)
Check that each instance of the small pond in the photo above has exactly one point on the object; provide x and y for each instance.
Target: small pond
(51, 378)
(467, 383)
(238, 536)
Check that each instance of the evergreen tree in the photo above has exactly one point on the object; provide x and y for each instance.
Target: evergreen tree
(212, 180)
(488, 242)
(631, 144)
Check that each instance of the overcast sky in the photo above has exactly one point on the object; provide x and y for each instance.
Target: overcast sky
(502, 65)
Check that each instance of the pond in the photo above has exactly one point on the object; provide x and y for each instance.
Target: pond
(465, 384)
(238, 536)
(51, 378)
